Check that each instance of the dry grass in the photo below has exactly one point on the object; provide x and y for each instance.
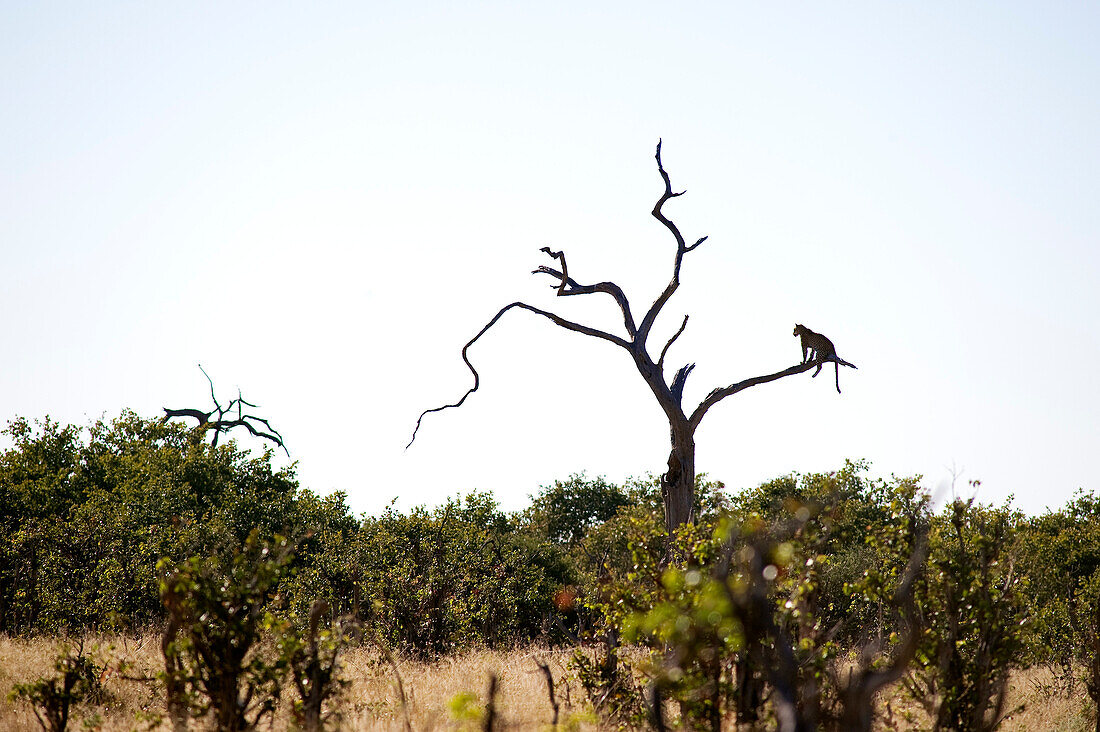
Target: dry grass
(434, 691)
(1030, 705)
(446, 695)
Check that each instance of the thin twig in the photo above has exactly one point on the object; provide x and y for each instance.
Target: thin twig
(550, 687)
(575, 288)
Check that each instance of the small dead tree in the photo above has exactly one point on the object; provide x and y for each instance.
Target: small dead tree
(678, 482)
(221, 419)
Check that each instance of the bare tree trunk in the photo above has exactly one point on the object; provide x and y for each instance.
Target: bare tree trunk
(678, 484)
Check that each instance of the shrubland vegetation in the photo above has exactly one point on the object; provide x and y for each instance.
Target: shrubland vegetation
(794, 605)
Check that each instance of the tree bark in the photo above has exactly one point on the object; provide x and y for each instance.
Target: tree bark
(678, 483)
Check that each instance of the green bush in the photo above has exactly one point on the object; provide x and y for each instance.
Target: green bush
(973, 607)
(52, 699)
(216, 616)
(733, 612)
(461, 574)
(86, 514)
(313, 665)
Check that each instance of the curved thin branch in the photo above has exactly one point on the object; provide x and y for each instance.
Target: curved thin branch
(241, 400)
(556, 319)
(682, 248)
(661, 360)
(719, 394)
(274, 435)
(218, 407)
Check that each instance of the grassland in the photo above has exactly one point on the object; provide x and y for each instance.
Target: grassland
(448, 694)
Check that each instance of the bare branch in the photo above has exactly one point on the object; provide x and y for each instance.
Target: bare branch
(202, 417)
(574, 288)
(273, 435)
(490, 723)
(218, 407)
(657, 213)
(661, 360)
(679, 380)
(681, 249)
(241, 400)
(556, 319)
(560, 256)
(719, 394)
(214, 419)
(698, 241)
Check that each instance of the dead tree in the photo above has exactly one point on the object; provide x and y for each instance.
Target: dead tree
(221, 419)
(678, 482)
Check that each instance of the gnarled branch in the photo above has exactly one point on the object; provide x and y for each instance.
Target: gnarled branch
(560, 256)
(555, 318)
(215, 419)
(574, 288)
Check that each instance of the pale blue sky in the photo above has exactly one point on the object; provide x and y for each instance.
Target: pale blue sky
(321, 202)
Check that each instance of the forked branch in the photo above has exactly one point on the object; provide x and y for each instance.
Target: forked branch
(568, 286)
(220, 419)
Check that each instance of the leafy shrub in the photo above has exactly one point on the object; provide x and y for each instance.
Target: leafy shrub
(736, 616)
(216, 614)
(974, 609)
(86, 514)
(313, 663)
(458, 575)
(1059, 553)
(52, 699)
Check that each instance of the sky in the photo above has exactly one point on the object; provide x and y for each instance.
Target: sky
(322, 202)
